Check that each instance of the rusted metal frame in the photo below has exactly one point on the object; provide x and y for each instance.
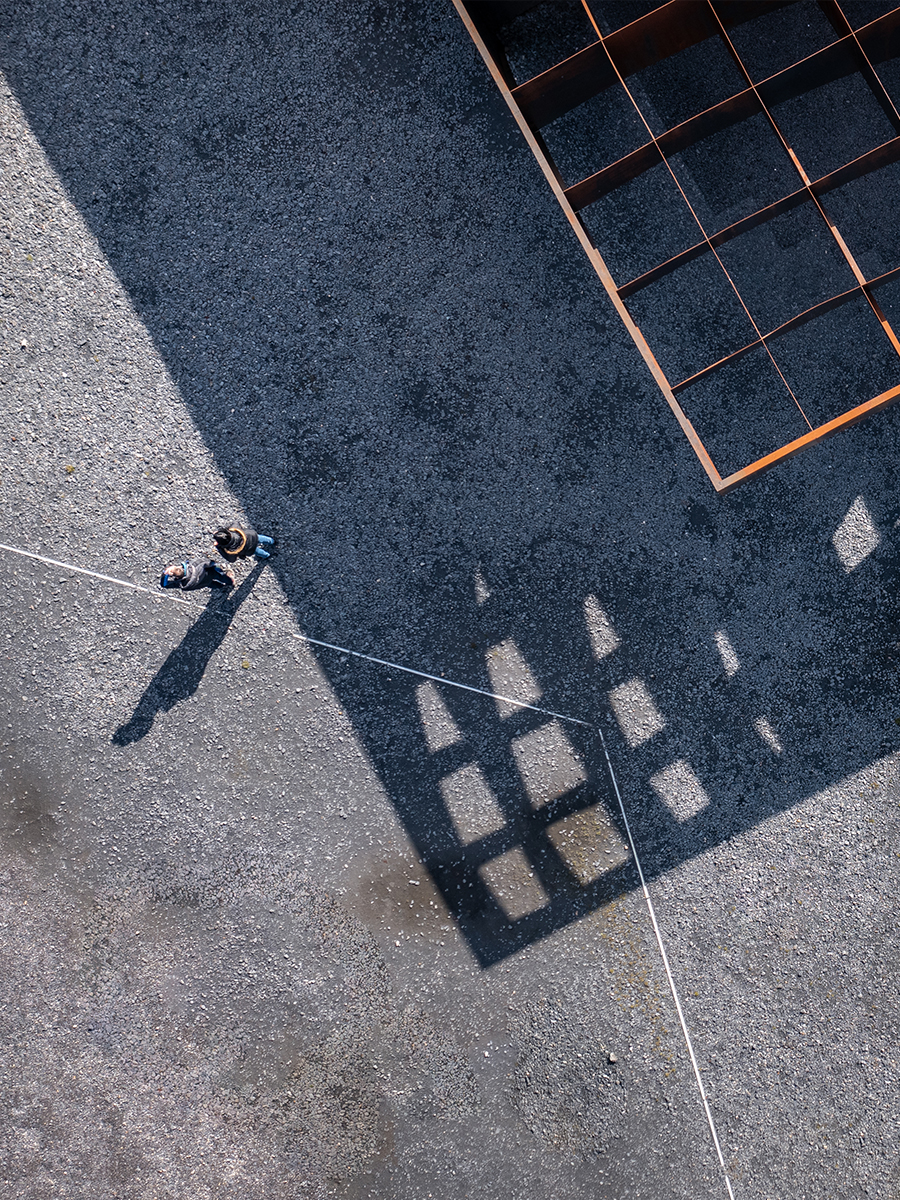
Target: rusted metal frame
(803, 318)
(719, 238)
(728, 112)
(880, 39)
(831, 58)
(561, 88)
(484, 18)
(737, 12)
(720, 483)
(826, 65)
(872, 160)
(593, 20)
(755, 98)
(657, 35)
(834, 57)
(819, 434)
(673, 27)
(887, 277)
(700, 226)
(720, 116)
(842, 27)
(590, 250)
(887, 29)
(488, 16)
(810, 314)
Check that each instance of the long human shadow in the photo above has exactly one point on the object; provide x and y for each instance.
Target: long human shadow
(399, 356)
(180, 675)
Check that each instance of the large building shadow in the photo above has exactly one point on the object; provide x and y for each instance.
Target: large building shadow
(402, 363)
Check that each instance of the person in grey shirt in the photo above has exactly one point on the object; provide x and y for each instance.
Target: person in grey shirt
(199, 573)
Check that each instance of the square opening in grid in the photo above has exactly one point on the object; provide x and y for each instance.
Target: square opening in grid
(888, 71)
(879, 40)
(838, 361)
(865, 211)
(537, 40)
(832, 124)
(691, 318)
(743, 411)
(684, 84)
(595, 134)
(640, 224)
(862, 12)
(735, 172)
(787, 265)
(775, 40)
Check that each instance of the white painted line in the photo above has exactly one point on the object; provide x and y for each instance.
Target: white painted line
(383, 662)
(665, 960)
(54, 562)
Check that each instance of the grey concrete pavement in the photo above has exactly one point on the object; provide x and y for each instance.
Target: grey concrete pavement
(314, 930)
(228, 973)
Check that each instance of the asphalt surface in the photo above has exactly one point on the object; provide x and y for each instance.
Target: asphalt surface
(282, 921)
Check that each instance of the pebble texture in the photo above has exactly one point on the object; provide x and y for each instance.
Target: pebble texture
(295, 265)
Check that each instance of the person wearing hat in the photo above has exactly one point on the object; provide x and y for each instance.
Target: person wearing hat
(199, 573)
(235, 542)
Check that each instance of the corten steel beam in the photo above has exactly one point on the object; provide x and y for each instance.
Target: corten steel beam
(659, 34)
(607, 62)
(872, 160)
(833, 66)
(826, 66)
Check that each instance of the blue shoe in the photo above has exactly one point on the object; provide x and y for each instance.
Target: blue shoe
(260, 553)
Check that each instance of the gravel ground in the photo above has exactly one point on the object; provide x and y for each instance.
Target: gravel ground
(279, 921)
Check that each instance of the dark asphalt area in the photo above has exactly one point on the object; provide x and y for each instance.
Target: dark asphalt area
(280, 921)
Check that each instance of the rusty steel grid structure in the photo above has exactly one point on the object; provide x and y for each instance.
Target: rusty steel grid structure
(608, 61)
